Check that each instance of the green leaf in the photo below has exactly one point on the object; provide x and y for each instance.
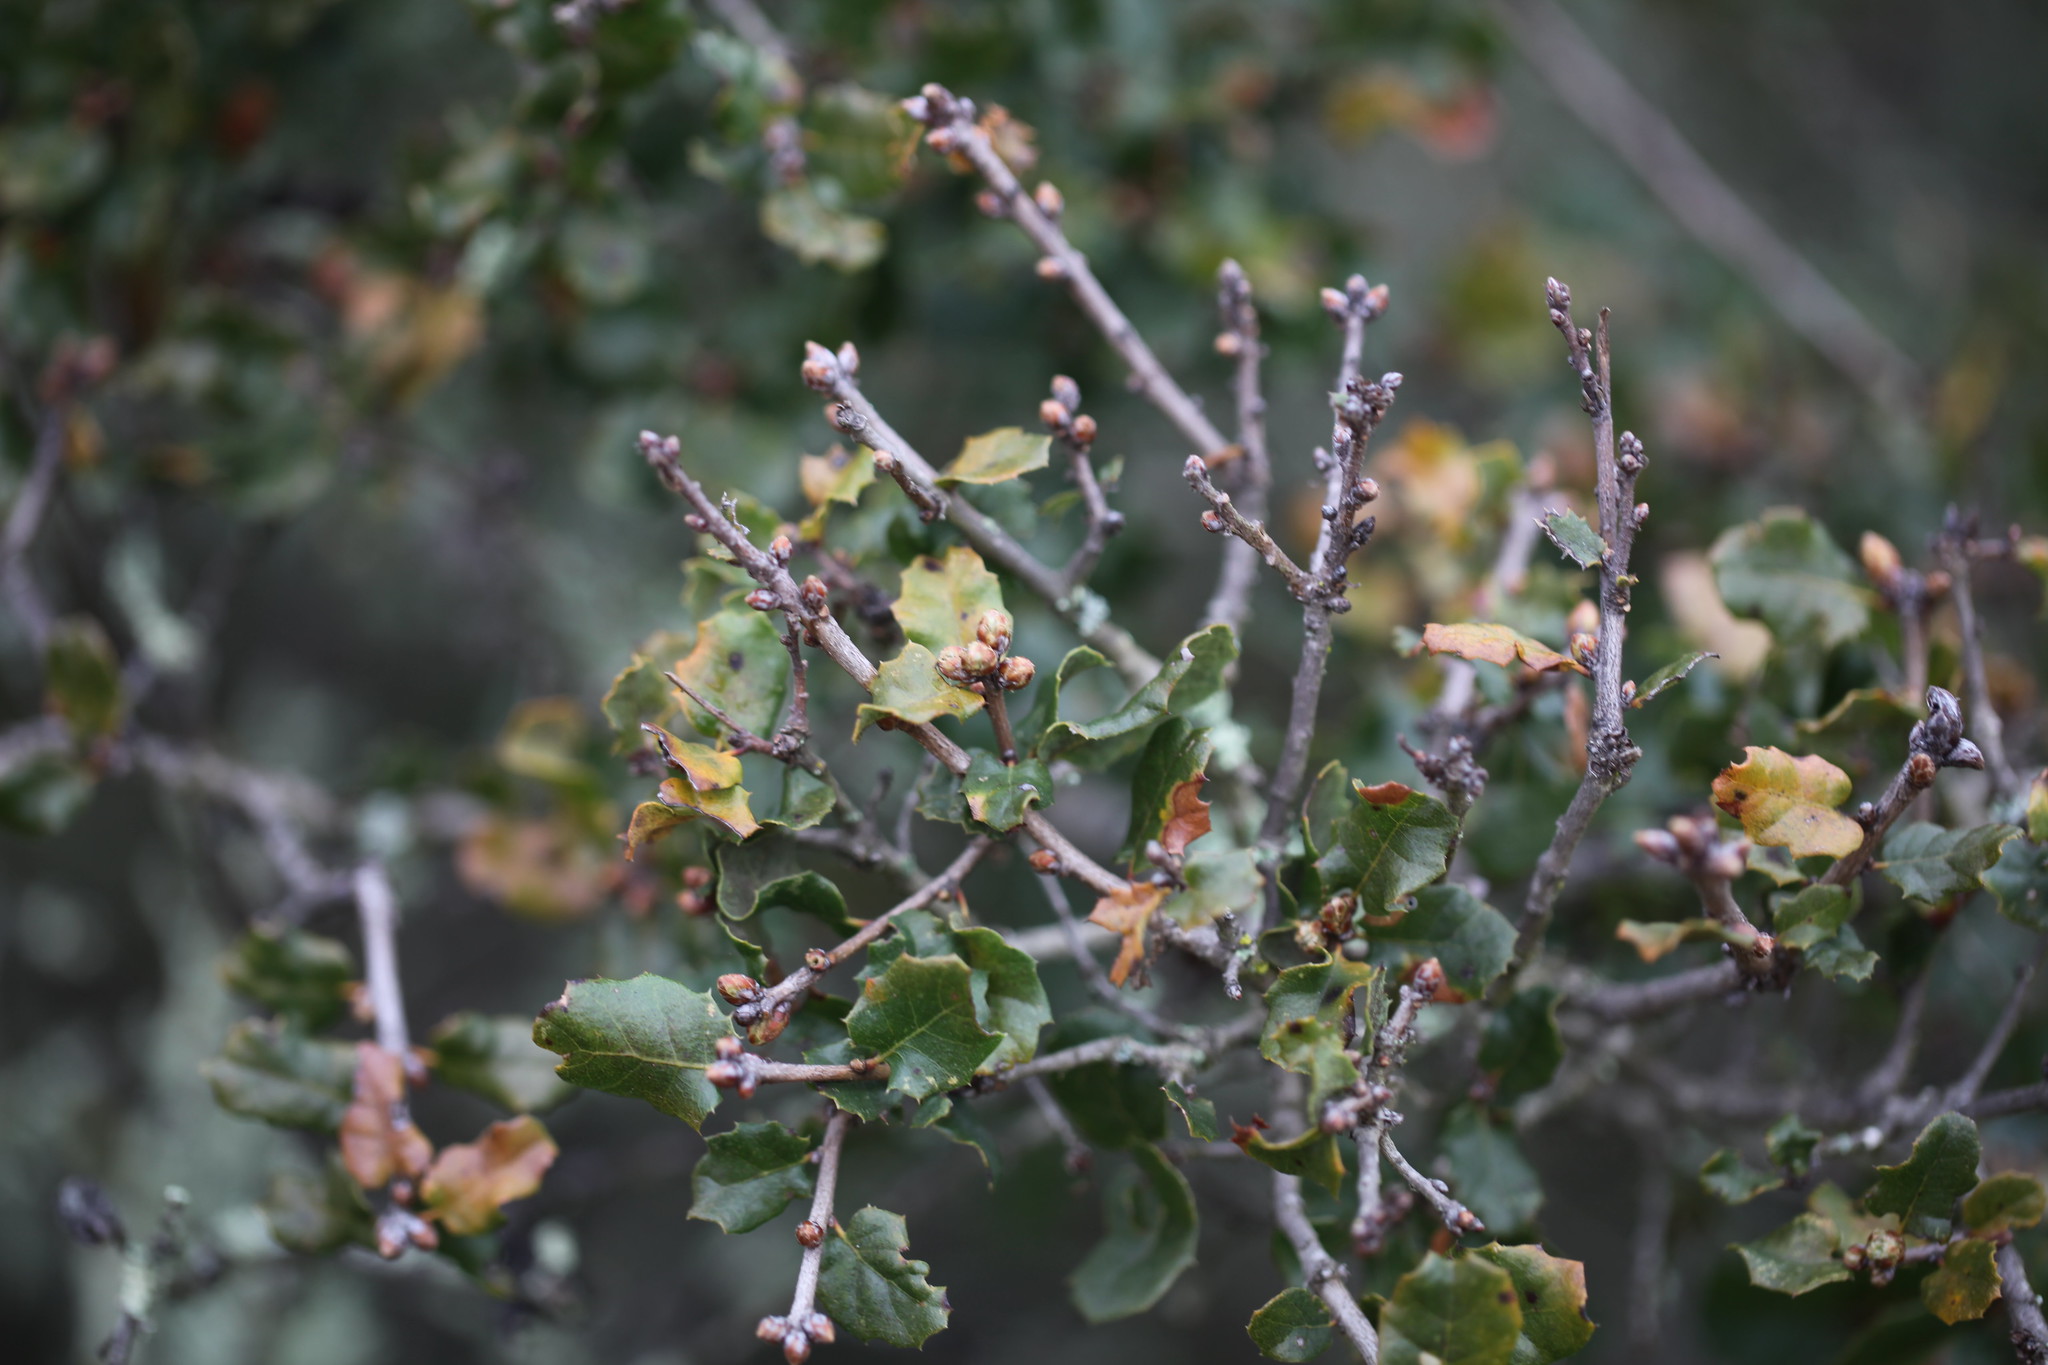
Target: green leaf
(806, 801)
(496, 1057)
(82, 678)
(944, 598)
(1045, 704)
(2002, 1202)
(290, 972)
(1796, 1258)
(908, 688)
(1190, 676)
(1790, 1145)
(1148, 1240)
(999, 794)
(837, 476)
(1842, 956)
(649, 1039)
(962, 1124)
(1520, 1045)
(1668, 677)
(1965, 1285)
(1306, 1008)
(1199, 1113)
(1111, 1104)
(867, 1288)
(1929, 863)
(919, 1017)
(1293, 1325)
(1457, 1311)
(1469, 937)
(1489, 1174)
(2019, 881)
(316, 1212)
(738, 664)
(1175, 755)
(748, 1175)
(48, 166)
(997, 457)
(1579, 542)
(1218, 879)
(1313, 1156)
(809, 219)
(1732, 1180)
(1923, 1189)
(640, 693)
(1552, 1294)
(763, 874)
(1785, 569)
(1815, 913)
(269, 1070)
(1008, 998)
(1392, 842)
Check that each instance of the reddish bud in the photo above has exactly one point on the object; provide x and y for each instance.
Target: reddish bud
(1015, 672)
(813, 592)
(1368, 490)
(994, 628)
(1051, 268)
(849, 358)
(943, 140)
(1084, 429)
(820, 370)
(1050, 201)
(1044, 860)
(1054, 414)
(952, 663)
(978, 659)
(760, 599)
(1334, 303)
(1212, 522)
(727, 1048)
(737, 988)
(1228, 343)
(1065, 391)
(781, 548)
(809, 1234)
(990, 204)
(817, 959)
(691, 903)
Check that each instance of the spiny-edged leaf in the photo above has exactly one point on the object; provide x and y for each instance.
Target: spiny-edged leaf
(470, 1183)
(1789, 802)
(1965, 1285)
(765, 874)
(374, 1148)
(1305, 1011)
(1125, 912)
(302, 976)
(1812, 914)
(1520, 1045)
(1008, 998)
(1393, 841)
(1669, 676)
(1929, 863)
(1000, 794)
(1191, 675)
(1489, 1174)
(315, 1212)
(945, 597)
(1653, 941)
(1198, 1113)
(1293, 1325)
(1313, 1156)
(82, 677)
(997, 457)
(708, 769)
(919, 1017)
(748, 1175)
(737, 664)
(2019, 881)
(1732, 1180)
(640, 693)
(1790, 1145)
(867, 1287)
(1470, 938)
(727, 807)
(1148, 1240)
(1924, 1187)
(1112, 1104)
(1173, 758)
(496, 1057)
(1451, 1311)
(1785, 569)
(1576, 540)
(1842, 955)
(2010, 1199)
(908, 688)
(649, 1039)
(1552, 1292)
(1796, 1258)
(1045, 704)
(1487, 643)
(269, 1070)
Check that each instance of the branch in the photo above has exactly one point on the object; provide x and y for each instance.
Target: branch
(743, 1071)
(1247, 532)
(1075, 431)
(1319, 1272)
(1934, 743)
(1954, 544)
(24, 519)
(1693, 845)
(803, 1326)
(1231, 600)
(2022, 1308)
(1381, 1078)
(1175, 1061)
(1435, 1193)
(377, 912)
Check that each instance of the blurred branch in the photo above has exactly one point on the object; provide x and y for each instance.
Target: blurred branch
(24, 519)
(1239, 339)
(1955, 545)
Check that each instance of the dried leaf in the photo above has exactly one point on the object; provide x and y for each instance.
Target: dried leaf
(470, 1182)
(1495, 644)
(1789, 802)
(1653, 941)
(708, 769)
(1125, 912)
(373, 1148)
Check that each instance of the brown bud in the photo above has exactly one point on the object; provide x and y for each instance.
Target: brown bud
(1920, 770)
(760, 599)
(737, 988)
(781, 548)
(1376, 300)
(849, 358)
(1335, 303)
(1584, 647)
(1065, 391)
(1050, 201)
(809, 1234)
(1428, 979)
(1054, 414)
(727, 1048)
(817, 959)
(820, 370)
(796, 1347)
(952, 663)
(1015, 672)
(977, 659)
(1084, 429)
(1585, 618)
(994, 628)
(1051, 268)
(1228, 343)
(696, 877)
(693, 903)
(813, 592)
(1044, 860)
(942, 139)
(990, 204)
(1212, 522)
(1881, 560)
(402, 1192)
(1368, 490)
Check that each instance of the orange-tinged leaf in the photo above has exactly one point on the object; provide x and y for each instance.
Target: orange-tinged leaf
(1789, 802)
(373, 1147)
(1125, 912)
(727, 806)
(471, 1181)
(1654, 940)
(547, 869)
(1493, 644)
(1385, 794)
(1187, 816)
(708, 769)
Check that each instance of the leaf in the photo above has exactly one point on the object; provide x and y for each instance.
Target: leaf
(839, 476)
(649, 1039)
(1811, 915)
(1796, 1258)
(1218, 879)
(997, 457)
(268, 1070)
(2019, 881)
(1732, 1180)
(1045, 704)
(1520, 1045)
(1785, 569)
(1965, 1285)
(1112, 1104)
(82, 678)
(999, 794)
(1192, 674)
(290, 972)
(1306, 1008)
(919, 1017)
(707, 769)
(1790, 1145)
(1470, 938)
(944, 598)
(806, 800)
(1923, 1188)
(1931, 864)
(1669, 676)
(1841, 956)
(313, 1213)
(1198, 1113)
(1293, 1325)
(1125, 912)
(2002, 1202)
(809, 220)
(1457, 1311)
(544, 740)
(1552, 1295)
(470, 1183)
(737, 664)
(2037, 808)
(496, 1057)
(1008, 997)
(640, 693)
(1312, 1156)
(748, 1175)
(867, 1288)
(651, 822)
(548, 869)
(1495, 644)
(373, 1148)
(1392, 842)
(1167, 787)
(908, 688)
(1579, 542)
(727, 807)
(1148, 1240)
(1488, 1171)
(1653, 941)
(764, 875)
(1789, 802)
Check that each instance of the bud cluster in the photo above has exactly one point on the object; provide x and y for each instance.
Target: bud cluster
(985, 662)
(797, 1338)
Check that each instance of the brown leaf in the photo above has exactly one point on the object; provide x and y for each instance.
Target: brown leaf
(1187, 816)
(1788, 802)
(471, 1181)
(373, 1147)
(546, 869)
(1125, 912)
(1385, 794)
(1493, 644)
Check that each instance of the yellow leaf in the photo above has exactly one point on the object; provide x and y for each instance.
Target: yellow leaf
(727, 806)
(1492, 644)
(471, 1181)
(1789, 802)
(708, 769)
(373, 1148)
(546, 869)
(1125, 912)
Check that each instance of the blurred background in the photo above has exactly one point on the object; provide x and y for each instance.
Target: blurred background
(381, 292)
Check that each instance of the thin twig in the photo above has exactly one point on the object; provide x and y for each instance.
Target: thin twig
(803, 1326)
(1985, 726)
(377, 911)
(24, 519)
(2022, 1308)
(1972, 1080)
(1076, 1155)
(1319, 1271)
(1232, 598)
(1246, 532)
(1175, 1061)
(1076, 431)
(1456, 1217)
(742, 1071)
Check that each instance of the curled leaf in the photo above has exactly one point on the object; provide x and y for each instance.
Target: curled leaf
(1125, 912)
(1789, 802)
(470, 1182)
(1494, 644)
(374, 1147)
